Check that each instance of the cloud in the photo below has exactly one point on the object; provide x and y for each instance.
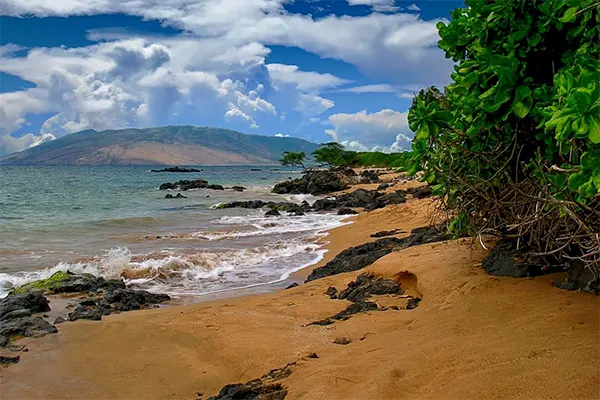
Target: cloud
(10, 144)
(378, 5)
(413, 7)
(370, 130)
(376, 88)
(282, 135)
(214, 71)
(303, 80)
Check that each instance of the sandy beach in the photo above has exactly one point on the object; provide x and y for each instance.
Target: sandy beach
(473, 336)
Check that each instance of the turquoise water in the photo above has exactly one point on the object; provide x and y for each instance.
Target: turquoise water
(113, 221)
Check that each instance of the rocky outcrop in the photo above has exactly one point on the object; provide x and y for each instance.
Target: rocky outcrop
(393, 232)
(256, 204)
(346, 211)
(67, 282)
(16, 318)
(176, 169)
(178, 196)
(358, 257)
(369, 176)
(315, 183)
(367, 199)
(184, 185)
(263, 388)
(580, 277)
(358, 292)
(215, 187)
(238, 188)
(420, 192)
(272, 213)
(116, 300)
(505, 260)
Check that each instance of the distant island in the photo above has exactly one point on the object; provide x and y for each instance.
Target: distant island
(170, 145)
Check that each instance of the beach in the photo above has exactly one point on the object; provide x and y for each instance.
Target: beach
(471, 336)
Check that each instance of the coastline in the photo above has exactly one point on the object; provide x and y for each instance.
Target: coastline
(473, 335)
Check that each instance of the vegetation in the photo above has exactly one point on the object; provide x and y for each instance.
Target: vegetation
(513, 143)
(47, 285)
(335, 155)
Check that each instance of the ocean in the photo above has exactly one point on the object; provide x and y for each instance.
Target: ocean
(113, 221)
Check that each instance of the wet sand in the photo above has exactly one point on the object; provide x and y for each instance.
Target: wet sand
(473, 336)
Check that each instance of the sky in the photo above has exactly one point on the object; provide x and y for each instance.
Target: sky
(342, 70)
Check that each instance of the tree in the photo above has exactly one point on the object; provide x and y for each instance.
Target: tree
(513, 143)
(334, 154)
(294, 159)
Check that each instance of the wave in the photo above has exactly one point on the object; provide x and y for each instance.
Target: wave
(258, 225)
(194, 272)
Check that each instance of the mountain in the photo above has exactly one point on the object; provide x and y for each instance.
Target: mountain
(170, 145)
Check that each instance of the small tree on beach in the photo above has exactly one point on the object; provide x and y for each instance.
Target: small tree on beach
(333, 154)
(294, 159)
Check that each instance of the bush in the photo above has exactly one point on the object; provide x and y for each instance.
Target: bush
(513, 143)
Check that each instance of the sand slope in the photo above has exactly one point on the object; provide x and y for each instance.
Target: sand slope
(473, 337)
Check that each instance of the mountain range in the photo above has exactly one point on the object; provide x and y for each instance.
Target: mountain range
(170, 145)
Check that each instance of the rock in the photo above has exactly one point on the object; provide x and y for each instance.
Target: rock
(184, 185)
(257, 389)
(420, 192)
(366, 285)
(33, 302)
(176, 169)
(315, 183)
(358, 257)
(293, 285)
(272, 213)
(503, 260)
(580, 277)
(255, 169)
(128, 299)
(342, 340)
(215, 187)
(413, 303)
(238, 188)
(346, 211)
(59, 320)
(312, 355)
(116, 300)
(397, 197)
(331, 292)
(368, 199)
(169, 196)
(355, 258)
(67, 282)
(26, 327)
(7, 360)
(16, 314)
(369, 176)
(180, 196)
(299, 213)
(4, 341)
(383, 186)
(387, 233)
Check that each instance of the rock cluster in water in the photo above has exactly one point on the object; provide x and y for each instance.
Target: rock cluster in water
(323, 182)
(176, 169)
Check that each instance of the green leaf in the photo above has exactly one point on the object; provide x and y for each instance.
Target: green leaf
(523, 101)
(576, 180)
(594, 123)
(569, 15)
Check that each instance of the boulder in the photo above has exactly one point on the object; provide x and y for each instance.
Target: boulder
(7, 360)
(393, 232)
(14, 304)
(580, 277)
(116, 300)
(272, 213)
(169, 196)
(215, 187)
(180, 196)
(420, 192)
(238, 188)
(184, 185)
(383, 186)
(26, 327)
(68, 282)
(367, 285)
(505, 260)
(369, 176)
(346, 211)
(315, 183)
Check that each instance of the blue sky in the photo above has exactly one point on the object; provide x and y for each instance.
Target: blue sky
(340, 70)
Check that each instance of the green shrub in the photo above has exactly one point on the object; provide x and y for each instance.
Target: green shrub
(513, 143)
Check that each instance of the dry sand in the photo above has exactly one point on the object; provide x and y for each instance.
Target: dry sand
(472, 337)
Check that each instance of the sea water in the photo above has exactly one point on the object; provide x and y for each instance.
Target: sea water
(113, 221)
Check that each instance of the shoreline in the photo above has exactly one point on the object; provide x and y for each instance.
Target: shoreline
(473, 335)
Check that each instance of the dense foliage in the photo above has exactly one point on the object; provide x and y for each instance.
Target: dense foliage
(513, 143)
(335, 155)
